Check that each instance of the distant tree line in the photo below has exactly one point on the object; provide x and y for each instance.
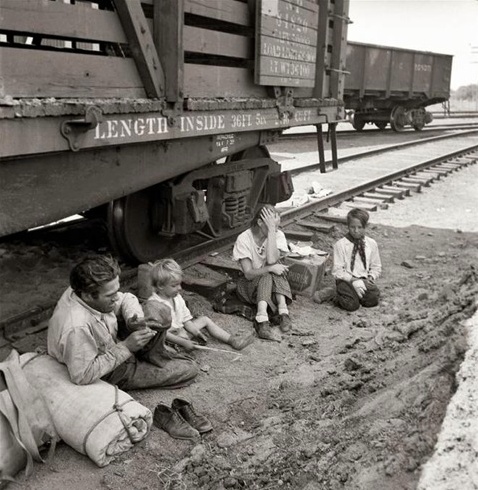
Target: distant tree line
(466, 92)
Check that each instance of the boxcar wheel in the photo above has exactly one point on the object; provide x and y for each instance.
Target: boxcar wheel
(381, 125)
(358, 123)
(398, 118)
(130, 231)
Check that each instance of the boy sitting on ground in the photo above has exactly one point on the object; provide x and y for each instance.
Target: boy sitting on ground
(166, 278)
(357, 265)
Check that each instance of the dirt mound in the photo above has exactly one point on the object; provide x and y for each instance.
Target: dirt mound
(368, 423)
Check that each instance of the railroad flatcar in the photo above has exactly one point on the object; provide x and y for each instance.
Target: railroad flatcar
(158, 112)
(393, 85)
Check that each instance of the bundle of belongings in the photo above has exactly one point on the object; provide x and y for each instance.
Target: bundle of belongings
(97, 420)
(26, 426)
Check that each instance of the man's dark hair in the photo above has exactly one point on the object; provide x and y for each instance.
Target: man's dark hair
(93, 272)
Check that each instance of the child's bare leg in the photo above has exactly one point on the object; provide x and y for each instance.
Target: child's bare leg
(261, 315)
(214, 330)
(282, 304)
(238, 342)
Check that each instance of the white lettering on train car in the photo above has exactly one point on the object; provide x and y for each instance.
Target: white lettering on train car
(421, 67)
(126, 128)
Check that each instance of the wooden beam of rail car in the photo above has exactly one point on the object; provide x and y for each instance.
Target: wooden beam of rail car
(209, 42)
(79, 21)
(168, 38)
(142, 46)
(88, 76)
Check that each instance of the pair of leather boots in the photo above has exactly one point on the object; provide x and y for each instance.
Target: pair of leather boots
(181, 421)
(265, 330)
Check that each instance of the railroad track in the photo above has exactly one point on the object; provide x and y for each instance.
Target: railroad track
(342, 133)
(372, 193)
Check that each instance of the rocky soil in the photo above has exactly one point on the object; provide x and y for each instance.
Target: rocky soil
(346, 400)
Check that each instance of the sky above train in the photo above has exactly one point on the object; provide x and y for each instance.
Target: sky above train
(440, 26)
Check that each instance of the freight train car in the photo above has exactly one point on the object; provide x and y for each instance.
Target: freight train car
(158, 112)
(394, 85)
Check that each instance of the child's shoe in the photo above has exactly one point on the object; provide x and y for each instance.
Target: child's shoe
(285, 323)
(265, 331)
(238, 342)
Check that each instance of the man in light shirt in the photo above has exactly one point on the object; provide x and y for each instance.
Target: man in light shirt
(83, 334)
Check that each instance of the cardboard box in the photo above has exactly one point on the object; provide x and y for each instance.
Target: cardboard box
(305, 274)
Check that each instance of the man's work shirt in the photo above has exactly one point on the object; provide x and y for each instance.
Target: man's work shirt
(343, 261)
(85, 339)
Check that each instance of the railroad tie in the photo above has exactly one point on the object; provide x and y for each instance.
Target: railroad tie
(393, 190)
(361, 205)
(366, 200)
(304, 236)
(437, 170)
(379, 196)
(332, 217)
(415, 180)
(427, 174)
(316, 226)
(409, 186)
(451, 166)
(460, 161)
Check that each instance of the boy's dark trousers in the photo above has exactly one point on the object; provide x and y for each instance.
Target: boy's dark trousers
(349, 300)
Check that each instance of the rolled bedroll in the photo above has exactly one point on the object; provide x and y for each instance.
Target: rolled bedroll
(98, 419)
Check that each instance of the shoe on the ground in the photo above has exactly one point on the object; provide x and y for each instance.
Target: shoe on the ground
(265, 331)
(238, 341)
(285, 323)
(186, 410)
(173, 423)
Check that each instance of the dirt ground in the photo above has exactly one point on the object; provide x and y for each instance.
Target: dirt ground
(346, 401)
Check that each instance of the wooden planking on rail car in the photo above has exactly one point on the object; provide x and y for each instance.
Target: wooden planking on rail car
(107, 103)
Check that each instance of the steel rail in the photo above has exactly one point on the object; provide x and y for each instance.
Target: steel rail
(352, 132)
(382, 149)
(292, 215)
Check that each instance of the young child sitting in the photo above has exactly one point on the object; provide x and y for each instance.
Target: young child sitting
(357, 265)
(166, 278)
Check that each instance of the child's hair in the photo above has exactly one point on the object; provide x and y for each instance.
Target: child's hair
(359, 214)
(164, 271)
(258, 214)
(159, 311)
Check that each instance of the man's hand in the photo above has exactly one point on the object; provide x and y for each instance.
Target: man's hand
(360, 287)
(278, 269)
(138, 339)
